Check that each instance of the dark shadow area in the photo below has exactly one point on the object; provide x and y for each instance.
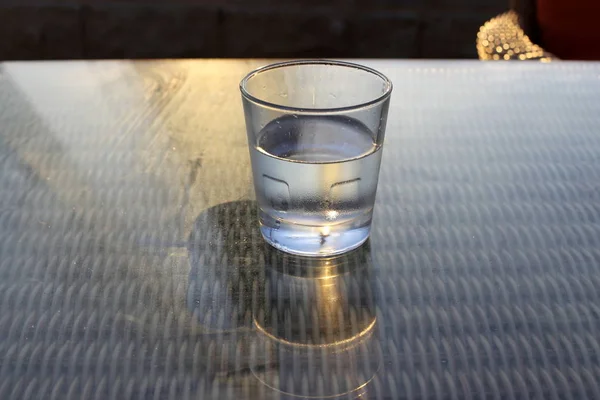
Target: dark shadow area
(94, 29)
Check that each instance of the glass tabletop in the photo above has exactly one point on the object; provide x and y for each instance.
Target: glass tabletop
(131, 266)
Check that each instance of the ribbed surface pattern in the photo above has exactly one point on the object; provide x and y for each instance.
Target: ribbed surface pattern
(131, 266)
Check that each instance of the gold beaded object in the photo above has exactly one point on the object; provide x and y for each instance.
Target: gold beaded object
(502, 38)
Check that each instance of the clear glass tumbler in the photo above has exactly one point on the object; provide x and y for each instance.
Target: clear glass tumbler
(315, 132)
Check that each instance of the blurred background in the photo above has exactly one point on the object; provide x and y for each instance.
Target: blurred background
(488, 29)
(90, 29)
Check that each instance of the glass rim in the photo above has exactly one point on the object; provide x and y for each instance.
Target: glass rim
(385, 95)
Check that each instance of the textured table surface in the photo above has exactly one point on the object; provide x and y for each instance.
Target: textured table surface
(131, 267)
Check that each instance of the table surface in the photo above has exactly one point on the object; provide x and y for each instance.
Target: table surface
(131, 266)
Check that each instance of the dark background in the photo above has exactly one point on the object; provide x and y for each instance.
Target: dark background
(55, 29)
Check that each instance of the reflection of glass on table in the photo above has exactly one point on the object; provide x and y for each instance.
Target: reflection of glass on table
(316, 325)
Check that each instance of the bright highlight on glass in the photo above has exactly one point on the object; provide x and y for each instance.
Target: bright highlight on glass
(315, 131)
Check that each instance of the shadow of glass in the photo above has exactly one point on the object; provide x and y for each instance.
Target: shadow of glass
(308, 324)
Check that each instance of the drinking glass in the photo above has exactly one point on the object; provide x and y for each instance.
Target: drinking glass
(315, 133)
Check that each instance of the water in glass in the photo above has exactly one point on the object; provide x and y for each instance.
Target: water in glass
(315, 180)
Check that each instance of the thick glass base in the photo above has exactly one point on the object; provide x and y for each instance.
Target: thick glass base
(315, 241)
